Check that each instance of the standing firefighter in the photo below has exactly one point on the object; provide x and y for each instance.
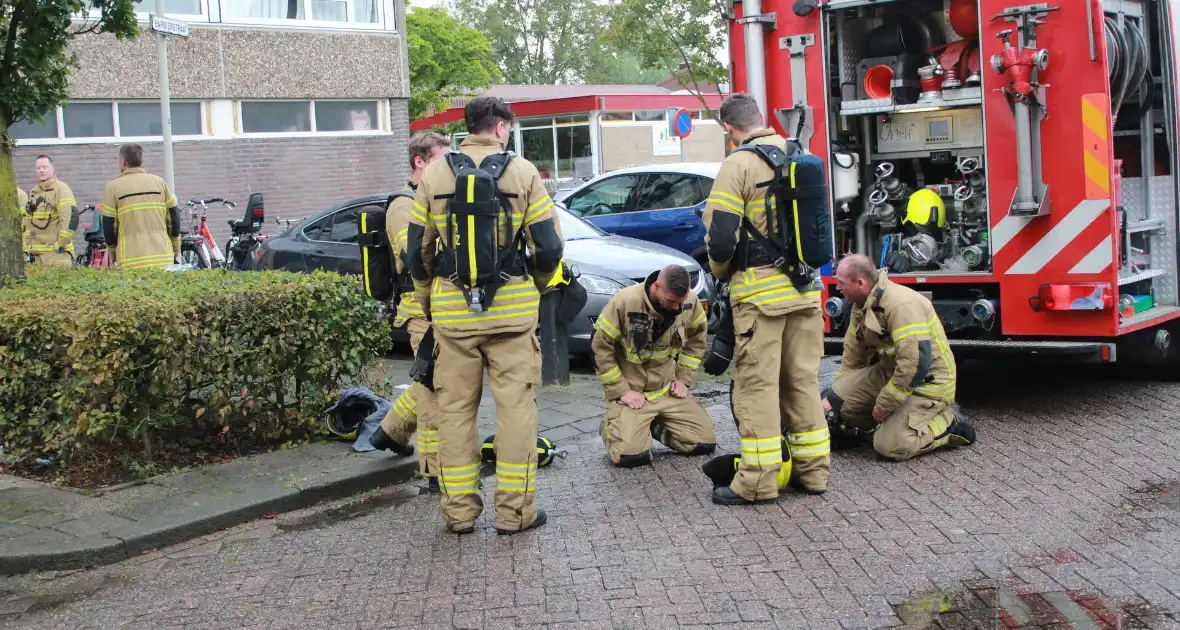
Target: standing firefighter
(51, 218)
(486, 204)
(648, 346)
(910, 390)
(753, 221)
(414, 410)
(140, 218)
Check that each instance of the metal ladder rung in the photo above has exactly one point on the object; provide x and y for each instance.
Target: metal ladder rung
(1146, 225)
(1141, 276)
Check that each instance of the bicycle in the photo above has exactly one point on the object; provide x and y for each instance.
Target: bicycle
(96, 254)
(244, 248)
(197, 247)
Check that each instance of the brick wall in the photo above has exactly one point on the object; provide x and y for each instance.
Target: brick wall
(297, 176)
(630, 145)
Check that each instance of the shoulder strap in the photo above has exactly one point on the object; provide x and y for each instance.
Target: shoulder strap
(457, 160)
(497, 163)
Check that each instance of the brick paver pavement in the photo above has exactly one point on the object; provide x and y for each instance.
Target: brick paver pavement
(1065, 514)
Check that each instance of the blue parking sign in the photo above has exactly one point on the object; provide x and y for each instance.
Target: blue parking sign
(682, 123)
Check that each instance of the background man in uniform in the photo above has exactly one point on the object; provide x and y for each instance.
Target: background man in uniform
(501, 337)
(910, 389)
(49, 228)
(140, 218)
(416, 408)
(647, 348)
(779, 328)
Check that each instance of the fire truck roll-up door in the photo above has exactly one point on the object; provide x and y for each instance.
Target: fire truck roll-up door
(1015, 159)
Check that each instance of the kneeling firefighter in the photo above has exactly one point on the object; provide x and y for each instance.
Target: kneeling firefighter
(387, 277)
(648, 345)
(905, 398)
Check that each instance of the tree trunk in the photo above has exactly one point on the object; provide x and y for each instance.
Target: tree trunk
(12, 250)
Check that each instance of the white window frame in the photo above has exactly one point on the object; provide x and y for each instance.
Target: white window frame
(558, 176)
(384, 21)
(383, 122)
(61, 138)
(143, 16)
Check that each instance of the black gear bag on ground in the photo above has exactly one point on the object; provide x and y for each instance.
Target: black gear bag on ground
(798, 217)
(379, 274)
(475, 215)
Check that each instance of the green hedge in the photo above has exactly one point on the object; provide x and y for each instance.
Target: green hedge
(96, 358)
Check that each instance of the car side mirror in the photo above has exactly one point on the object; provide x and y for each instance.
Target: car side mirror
(699, 211)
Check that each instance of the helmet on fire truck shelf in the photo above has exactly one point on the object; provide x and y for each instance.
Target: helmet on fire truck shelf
(925, 210)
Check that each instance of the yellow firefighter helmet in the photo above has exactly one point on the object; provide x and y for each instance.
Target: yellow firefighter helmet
(925, 209)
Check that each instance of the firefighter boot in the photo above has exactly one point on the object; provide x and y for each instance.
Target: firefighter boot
(541, 519)
(961, 432)
(723, 495)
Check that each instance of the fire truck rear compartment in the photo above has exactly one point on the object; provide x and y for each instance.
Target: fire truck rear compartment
(907, 114)
(908, 167)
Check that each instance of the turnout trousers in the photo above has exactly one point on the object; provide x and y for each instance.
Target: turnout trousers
(627, 432)
(776, 393)
(415, 411)
(513, 362)
(909, 431)
(53, 259)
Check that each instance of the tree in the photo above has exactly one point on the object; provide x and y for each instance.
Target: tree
(35, 68)
(688, 32)
(535, 41)
(447, 60)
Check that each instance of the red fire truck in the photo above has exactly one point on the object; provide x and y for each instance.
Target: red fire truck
(1015, 161)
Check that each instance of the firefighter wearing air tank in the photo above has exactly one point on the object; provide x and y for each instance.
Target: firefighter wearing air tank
(51, 216)
(140, 218)
(766, 226)
(898, 376)
(481, 290)
(415, 410)
(648, 345)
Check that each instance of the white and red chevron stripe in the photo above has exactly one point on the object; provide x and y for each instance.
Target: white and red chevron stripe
(1076, 242)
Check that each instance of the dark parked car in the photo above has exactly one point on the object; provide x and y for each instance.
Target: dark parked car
(607, 263)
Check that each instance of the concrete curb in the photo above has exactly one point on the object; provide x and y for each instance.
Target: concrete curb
(121, 543)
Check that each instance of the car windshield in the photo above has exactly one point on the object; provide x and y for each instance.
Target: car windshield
(573, 228)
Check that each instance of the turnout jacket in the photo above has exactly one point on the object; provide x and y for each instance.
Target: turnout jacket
(53, 218)
(516, 303)
(673, 351)
(397, 222)
(898, 326)
(140, 220)
(736, 195)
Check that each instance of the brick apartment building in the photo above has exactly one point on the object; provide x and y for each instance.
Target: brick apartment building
(302, 100)
(581, 131)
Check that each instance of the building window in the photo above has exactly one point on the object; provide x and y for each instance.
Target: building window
(539, 149)
(142, 119)
(171, 7)
(360, 13)
(106, 121)
(312, 116)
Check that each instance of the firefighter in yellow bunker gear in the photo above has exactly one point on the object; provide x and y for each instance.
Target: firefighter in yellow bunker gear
(778, 327)
(648, 344)
(897, 377)
(470, 335)
(140, 218)
(51, 216)
(416, 408)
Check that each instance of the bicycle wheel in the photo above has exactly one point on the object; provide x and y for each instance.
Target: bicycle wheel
(189, 256)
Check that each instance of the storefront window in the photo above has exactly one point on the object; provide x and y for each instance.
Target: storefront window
(538, 149)
(575, 156)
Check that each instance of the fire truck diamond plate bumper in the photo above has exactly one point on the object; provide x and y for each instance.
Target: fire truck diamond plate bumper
(1077, 351)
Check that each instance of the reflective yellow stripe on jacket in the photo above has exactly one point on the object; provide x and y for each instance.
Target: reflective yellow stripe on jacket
(765, 286)
(519, 299)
